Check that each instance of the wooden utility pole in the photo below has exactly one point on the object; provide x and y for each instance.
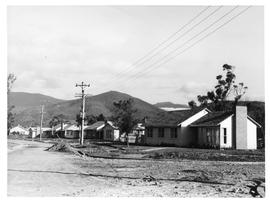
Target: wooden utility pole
(82, 114)
(41, 121)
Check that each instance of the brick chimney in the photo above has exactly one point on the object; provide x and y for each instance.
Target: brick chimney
(241, 127)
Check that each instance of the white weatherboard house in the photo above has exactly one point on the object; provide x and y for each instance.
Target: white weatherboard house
(206, 129)
(227, 130)
(19, 130)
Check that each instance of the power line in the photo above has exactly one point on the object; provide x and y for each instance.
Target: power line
(201, 39)
(189, 40)
(189, 30)
(130, 67)
(183, 44)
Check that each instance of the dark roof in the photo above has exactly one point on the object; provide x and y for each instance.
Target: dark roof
(183, 115)
(253, 121)
(94, 126)
(212, 119)
(168, 121)
(172, 118)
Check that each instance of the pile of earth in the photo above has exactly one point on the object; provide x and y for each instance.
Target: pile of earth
(64, 147)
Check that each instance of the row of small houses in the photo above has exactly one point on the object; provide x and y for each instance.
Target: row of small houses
(190, 128)
(101, 130)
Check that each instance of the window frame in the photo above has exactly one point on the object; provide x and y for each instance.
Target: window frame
(225, 136)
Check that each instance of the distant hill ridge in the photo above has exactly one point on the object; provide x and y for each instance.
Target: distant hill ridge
(22, 99)
(27, 107)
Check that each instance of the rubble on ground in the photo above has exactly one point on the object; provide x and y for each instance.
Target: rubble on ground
(64, 147)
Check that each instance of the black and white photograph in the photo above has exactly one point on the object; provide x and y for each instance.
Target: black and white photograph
(135, 101)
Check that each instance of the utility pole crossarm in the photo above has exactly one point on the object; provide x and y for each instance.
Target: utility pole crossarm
(82, 85)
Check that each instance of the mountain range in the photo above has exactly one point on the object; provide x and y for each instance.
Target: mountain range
(28, 107)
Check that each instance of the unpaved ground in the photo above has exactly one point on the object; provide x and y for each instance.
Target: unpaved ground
(35, 172)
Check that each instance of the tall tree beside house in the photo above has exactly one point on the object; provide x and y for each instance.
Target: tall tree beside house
(123, 116)
(55, 121)
(10, 116)
(88, 120)
(225, 86)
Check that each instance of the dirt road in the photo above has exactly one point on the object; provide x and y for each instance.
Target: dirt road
(35, 172)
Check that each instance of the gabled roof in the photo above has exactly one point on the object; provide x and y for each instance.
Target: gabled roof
(183, 115)
(215, 118)
(58, 126)
(253, 121)
(71, 127)
(46, 129)
(162, 121)
(212, 119)
(19, 126)
(96, 126)
(173, 118)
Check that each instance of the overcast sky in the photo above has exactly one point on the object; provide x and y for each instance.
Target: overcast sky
(50, 49)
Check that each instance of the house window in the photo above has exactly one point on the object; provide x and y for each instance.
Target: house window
(149, 132)
(225, 135)
(173, 132)
(161, 132)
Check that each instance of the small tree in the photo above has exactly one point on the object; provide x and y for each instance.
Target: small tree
(89, 119)
(101, 117)
(123, 116)
(10, 116)
(192, 104)
(54, 122)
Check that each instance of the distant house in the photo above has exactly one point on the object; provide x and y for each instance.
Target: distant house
(46, 132)
(71, 131)
(35, 132)
(19, 130)
(95, 130)
(103, 130)
(137, 134)
(111, 133)
(59, 130)
(206, 129)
